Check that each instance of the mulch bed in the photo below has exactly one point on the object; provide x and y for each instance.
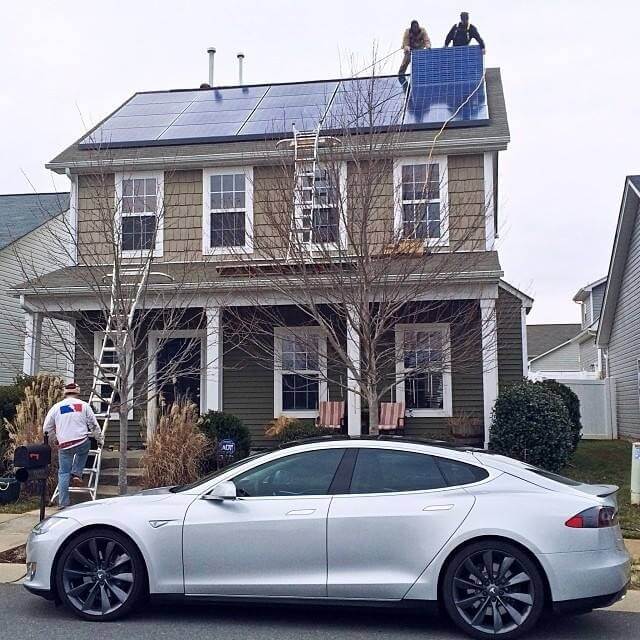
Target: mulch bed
(16, 555)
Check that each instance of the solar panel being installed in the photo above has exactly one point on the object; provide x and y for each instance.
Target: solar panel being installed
(445, 83)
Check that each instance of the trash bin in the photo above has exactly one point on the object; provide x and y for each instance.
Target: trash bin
(9, 490)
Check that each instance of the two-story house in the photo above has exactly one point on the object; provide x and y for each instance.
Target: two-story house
(206, 159)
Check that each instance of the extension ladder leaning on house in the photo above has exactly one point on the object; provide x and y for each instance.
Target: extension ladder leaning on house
(125, 297)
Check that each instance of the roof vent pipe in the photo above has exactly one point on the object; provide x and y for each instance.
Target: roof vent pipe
(212, 52)
(240, 61)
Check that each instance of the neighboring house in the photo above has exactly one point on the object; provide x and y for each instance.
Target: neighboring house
(29, 226)
(182, 148)
(553, 350)
(619, 330)
(590, 299)
(568, 351)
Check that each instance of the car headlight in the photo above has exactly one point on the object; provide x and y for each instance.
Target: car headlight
(47, 524)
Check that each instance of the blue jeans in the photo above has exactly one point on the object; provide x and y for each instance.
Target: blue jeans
(71, 461)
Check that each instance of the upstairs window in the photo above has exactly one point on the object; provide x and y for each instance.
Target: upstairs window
(423, 360)
(139, 203)
(421, 201)
(228, 210)
(318, 205)
(300, 370)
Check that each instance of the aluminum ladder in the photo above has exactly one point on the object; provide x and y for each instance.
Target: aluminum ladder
(124, 300)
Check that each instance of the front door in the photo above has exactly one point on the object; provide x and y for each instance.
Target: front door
(271, 540)
(398, 515)
(179, 370)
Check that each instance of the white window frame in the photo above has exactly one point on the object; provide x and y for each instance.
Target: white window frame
(342, 211)
(443, 173)
(280, 333)
(98, 337)
(160, 212)
(447, 396)
(247, 248)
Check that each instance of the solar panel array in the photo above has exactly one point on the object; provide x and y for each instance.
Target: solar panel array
(441, 81)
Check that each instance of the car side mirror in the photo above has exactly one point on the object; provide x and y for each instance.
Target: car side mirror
(222, 491)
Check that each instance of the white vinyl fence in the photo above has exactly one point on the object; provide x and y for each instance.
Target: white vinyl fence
(597, 407)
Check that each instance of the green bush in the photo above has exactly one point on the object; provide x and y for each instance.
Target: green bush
(217, 425)
(10, 396)
(532, 424)
(572, 403)
(286, 430)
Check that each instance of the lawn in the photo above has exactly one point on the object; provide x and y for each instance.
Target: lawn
(22, 506)
(608, 462)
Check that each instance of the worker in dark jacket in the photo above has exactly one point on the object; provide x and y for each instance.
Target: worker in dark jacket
(462, 33)
(415, 37)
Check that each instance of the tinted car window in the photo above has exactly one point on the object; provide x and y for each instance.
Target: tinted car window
(385, 471)
(457, 473)
(301, 474)
(555, 477)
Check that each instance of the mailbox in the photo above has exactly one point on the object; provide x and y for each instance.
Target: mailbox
(32, 456)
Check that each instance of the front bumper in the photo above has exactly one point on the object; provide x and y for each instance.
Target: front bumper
(601, 575)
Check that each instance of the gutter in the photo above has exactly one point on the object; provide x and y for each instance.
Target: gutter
(494, 143)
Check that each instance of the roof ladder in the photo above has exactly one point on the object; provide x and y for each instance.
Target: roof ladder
(127, 287)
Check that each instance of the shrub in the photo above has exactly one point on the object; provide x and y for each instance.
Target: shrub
(177, 451)
(531, 423)
(217, 425)
(285, 429)
(10, 397)
(40, 393)
(572, 403)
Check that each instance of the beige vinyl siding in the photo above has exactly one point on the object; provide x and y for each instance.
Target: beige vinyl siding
(624, 343)
(564, 358)
(36, 253)
(96, 206)
(182, 216)
(467, 207)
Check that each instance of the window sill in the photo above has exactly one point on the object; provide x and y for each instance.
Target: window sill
(428, 413)
(297, 414)
(227, 251)
(156, 253)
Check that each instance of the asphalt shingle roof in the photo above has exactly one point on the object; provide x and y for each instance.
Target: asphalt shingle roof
(22, 213)
(544, 337)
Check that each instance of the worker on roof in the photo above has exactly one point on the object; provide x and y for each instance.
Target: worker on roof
(415, 37)
(462, 33)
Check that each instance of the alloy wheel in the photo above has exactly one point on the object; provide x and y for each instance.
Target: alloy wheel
(493, 592)
(98, 576)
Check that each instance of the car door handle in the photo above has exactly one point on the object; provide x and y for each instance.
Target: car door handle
(438, 507)
(301, 512)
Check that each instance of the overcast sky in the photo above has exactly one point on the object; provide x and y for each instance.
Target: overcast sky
(569, 68)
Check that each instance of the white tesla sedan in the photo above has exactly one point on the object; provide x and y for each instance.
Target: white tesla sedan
(370, 521)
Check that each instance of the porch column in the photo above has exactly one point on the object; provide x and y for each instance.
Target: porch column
(32, 342)
(353, 353)
(489, 330)
(213, 393)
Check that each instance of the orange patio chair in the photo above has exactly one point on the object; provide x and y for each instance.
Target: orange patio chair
(391, 417)
(331, 415)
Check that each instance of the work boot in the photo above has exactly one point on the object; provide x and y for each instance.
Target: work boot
(76, 481)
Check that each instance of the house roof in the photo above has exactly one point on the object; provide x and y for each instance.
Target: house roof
(527, 301)
(492, 136)
(627, 219)
(542, 338)
(466, 267)
(21, 213)
(584, 292)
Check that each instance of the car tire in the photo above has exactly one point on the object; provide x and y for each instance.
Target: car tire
(492, 589)
(100, 575)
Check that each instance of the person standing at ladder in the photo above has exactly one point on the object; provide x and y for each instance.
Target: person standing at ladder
(415, 37)
(72, 421)
(463, 33)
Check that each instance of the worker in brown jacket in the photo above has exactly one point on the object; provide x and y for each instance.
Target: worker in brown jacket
(415, 37)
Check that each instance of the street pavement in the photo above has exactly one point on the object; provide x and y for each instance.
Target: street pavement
(27, 617)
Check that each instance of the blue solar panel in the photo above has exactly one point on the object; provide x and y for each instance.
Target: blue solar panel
(449, 64)
(446, 85)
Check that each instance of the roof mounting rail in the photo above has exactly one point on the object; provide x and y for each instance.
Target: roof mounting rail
(328, 438)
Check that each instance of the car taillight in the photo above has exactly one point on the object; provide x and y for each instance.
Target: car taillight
(594, 518)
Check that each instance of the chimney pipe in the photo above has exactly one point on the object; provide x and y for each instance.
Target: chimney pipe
(212, 52)
(240, 61)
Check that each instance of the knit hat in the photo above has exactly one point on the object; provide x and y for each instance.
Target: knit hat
(71, 389)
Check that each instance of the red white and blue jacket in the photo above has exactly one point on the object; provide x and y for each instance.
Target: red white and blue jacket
(73, 421)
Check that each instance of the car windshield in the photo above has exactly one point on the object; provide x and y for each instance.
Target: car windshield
(187, 487)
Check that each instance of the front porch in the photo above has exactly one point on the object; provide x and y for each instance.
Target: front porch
(223, 371)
